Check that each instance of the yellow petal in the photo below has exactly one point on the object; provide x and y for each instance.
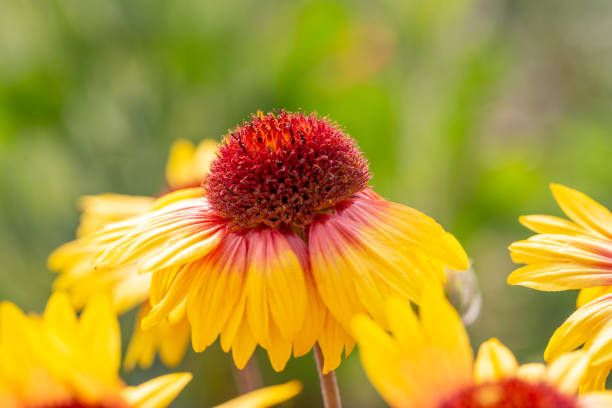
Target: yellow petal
(174, 340)
(314, 323)
(567, 371)
(279, 350)
(444, 330)
(179, 167)
(582, 249)
(217, 289)
(547, 224)
(205, 153)
(243, 346)
(99, 329)
(59, 315)
(158, 392)
(176, 294)
(587, 295)
(560, 276)
(494, 362)
(333, 340)
(583, 210)
(579, 327)
(595, 378)
(177, 196)
(265, 397)
(381, 360)
(102, 209)
(276, 287)
(141, 349)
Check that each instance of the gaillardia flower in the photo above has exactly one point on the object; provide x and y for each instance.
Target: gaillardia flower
(573, 254)
(282, 246)
(427, 362)
(187, 166)
(60, 361)
(566, 254)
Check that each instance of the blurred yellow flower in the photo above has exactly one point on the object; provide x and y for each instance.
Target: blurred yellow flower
(566, 254)
(427, 362)
(574, 254)
(59, 360)
(187, 166)
(287, 243)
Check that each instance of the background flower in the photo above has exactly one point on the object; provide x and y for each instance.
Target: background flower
(61, 360)
(427, 362)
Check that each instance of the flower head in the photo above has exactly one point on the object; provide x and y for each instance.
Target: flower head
(59, 360)
(282, 246)
(427, 362)
(566, 254)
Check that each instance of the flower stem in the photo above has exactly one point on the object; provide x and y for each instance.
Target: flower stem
(329, 385)
(249, 378)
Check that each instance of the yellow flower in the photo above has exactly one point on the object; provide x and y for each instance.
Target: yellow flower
(59, 360)
(573, 254)
(187, 166)
(284, 245)
(566, 254)
(427, 362)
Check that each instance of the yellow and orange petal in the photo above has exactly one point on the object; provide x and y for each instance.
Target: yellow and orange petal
(270, 277)
(58, 359)
(426, 362)
(102, 209)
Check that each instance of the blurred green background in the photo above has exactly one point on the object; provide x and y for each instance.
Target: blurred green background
(466, 110)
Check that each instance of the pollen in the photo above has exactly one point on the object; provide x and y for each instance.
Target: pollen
(280, 169)
(510, 393)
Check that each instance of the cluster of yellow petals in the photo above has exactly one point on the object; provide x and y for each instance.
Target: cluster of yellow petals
(58, 358)
(426, 359)
(573, 254)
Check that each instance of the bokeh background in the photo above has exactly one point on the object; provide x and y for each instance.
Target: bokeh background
(466, 109)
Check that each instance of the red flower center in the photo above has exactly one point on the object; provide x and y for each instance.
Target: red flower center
(280, 169)
(510, 393)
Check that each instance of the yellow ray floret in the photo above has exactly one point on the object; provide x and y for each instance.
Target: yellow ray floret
(273, 287)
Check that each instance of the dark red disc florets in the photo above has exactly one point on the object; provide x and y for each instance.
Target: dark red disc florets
(280, 169)
(510, 393)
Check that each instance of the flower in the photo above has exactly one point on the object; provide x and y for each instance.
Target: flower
(566, 254)
(573, 254)
(427, 362)
(187, 165)
(282, 246)
(59, 360)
